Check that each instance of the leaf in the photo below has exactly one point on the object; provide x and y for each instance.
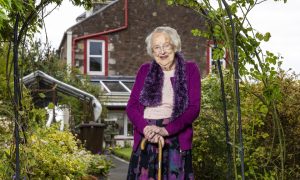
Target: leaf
(51, 105)
(265, 135)
(21, 113)
(42, 95)
(267, 36)
(259, 36)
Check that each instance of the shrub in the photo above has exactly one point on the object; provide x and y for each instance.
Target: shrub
(262, 147)
(53, 154)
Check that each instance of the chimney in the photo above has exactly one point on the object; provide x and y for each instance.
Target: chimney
(96, 5)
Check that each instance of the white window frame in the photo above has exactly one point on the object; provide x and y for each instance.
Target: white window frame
(88, 56)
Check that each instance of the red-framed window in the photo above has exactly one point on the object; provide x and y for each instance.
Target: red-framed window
(96, 56)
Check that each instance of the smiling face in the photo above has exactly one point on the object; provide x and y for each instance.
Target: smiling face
(163, 50)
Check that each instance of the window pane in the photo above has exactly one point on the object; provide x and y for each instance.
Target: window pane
(95, 64)
(118, 126)
(130, 129)
(95, 48)
(114, 86)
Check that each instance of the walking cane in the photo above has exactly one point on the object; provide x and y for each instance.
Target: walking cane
(143, 144)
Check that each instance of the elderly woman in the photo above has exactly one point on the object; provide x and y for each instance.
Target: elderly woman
(164, 102)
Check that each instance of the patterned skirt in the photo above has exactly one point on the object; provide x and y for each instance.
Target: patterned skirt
(176, 164)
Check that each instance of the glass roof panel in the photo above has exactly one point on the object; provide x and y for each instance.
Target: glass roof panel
(128, 84)
(114, 86)
(97, 83)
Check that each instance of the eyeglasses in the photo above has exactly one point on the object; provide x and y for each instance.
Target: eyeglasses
(158, 49)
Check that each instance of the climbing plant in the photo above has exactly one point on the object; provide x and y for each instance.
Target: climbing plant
(227, 24)
(19, 21)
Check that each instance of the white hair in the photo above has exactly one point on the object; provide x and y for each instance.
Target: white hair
(172, 33)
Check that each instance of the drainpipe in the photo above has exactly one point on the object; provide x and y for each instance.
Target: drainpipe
(103, 32)
(69, 50)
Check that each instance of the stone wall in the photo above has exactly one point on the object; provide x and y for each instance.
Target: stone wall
(127, 48)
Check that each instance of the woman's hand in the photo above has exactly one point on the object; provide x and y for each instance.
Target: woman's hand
(159, 130)
(156, 138)
(154, 134)
(151, 130)
(163, 132)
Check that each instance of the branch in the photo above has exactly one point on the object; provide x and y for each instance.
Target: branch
(31, 16)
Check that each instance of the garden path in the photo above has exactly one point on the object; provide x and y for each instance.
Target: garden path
(119, 172)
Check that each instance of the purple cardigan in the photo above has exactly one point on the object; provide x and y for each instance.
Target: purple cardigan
(181, 126)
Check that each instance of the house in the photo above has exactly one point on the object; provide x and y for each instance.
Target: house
(108, 44)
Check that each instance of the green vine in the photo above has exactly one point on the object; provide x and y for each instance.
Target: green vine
(255, 67)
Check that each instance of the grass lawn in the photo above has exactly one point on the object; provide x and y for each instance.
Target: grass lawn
(123, 153)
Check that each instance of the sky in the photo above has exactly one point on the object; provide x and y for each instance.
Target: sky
(281, 20)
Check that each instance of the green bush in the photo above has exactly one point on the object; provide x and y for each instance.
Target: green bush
(209, 148)
(262, 149)
(53, 154)
(45, 153)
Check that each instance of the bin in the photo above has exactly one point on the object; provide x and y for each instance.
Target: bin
(91, 135)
